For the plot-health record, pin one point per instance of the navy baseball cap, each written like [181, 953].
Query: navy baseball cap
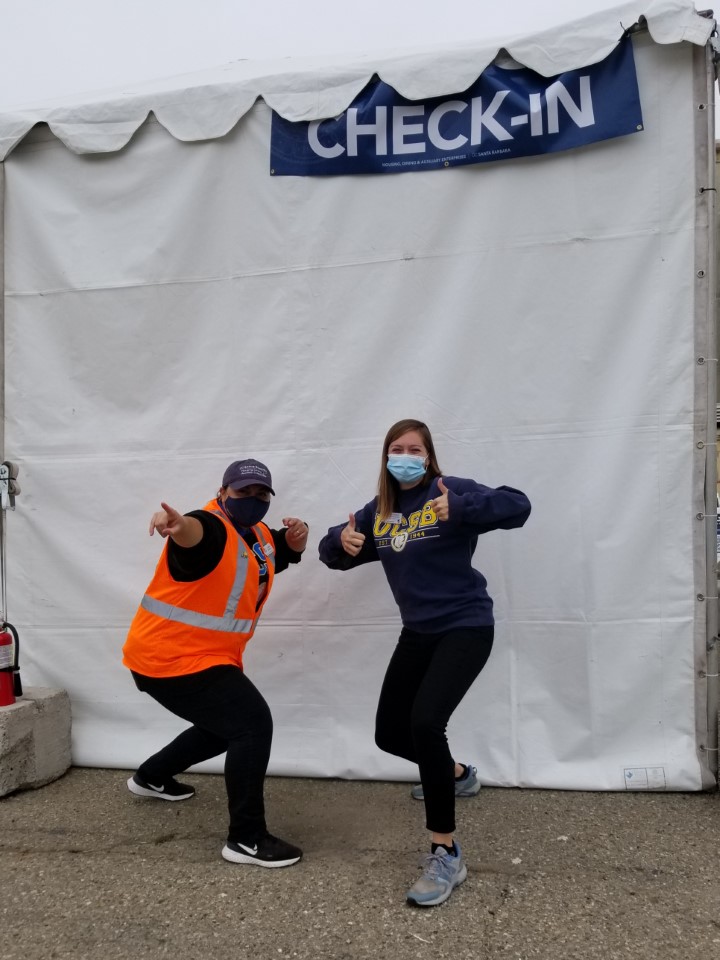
[244, 473]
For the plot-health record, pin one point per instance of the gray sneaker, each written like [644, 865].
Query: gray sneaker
[469, 786]
[441, 874]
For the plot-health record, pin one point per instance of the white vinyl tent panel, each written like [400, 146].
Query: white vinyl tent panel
[171, 307]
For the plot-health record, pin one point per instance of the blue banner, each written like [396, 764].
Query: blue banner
[506, 113]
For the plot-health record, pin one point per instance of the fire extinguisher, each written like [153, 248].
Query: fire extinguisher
[7, 668]
[17, 683]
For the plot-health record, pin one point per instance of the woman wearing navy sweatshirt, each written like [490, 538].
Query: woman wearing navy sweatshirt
[423, 527]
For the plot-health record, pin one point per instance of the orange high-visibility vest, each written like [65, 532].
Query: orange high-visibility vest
[181, 628]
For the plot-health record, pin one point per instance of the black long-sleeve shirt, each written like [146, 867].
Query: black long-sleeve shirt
[187, 564]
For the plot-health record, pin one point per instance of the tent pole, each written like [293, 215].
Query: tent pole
[705, 314]
[2, 340]
[2, 314]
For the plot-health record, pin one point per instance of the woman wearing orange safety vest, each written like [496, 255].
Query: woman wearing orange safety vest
[185, 647]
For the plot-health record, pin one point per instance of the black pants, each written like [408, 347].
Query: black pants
[427, 677]
[228, 714]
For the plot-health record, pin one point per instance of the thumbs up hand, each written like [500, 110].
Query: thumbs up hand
[441, 505]
[351, 539]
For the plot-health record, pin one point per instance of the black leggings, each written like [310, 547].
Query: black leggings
[427, 677]
[228, 714]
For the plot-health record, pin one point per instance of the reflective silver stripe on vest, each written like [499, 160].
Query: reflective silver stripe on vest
[239, 583]
[268, 554]
[225, 624]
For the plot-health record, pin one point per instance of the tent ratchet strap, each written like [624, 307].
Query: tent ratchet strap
[9, 489]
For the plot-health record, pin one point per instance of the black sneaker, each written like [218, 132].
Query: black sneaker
[267, 852]
[170, 790]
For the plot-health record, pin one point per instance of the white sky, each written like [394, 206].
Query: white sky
[50, 48]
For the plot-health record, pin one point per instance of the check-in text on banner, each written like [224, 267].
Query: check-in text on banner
[506, 113]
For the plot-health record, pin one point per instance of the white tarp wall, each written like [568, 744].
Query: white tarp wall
[171, 307]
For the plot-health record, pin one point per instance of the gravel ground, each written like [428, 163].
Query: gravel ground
[90, 871]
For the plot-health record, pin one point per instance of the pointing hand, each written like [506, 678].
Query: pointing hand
[167, 521]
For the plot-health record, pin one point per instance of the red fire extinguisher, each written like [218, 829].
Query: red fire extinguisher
[7, 669]
[17, 683]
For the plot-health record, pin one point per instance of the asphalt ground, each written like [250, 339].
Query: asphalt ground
[89, 871]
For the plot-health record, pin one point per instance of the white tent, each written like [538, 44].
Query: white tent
[171, 306]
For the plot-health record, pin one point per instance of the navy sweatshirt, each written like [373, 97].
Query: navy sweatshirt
[428, 562]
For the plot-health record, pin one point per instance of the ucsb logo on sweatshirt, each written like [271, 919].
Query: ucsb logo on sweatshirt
[397, 531]
[506, 113]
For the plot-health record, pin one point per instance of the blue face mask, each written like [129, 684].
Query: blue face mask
[406, 468]
[246, 511]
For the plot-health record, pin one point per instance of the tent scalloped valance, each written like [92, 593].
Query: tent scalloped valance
[207, 105]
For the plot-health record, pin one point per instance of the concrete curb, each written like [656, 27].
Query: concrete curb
[34, 739]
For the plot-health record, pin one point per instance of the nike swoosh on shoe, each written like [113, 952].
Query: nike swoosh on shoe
[251, 851]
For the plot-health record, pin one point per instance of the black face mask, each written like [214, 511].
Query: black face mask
[245, 511]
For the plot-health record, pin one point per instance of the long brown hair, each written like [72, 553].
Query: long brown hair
[388, 487]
